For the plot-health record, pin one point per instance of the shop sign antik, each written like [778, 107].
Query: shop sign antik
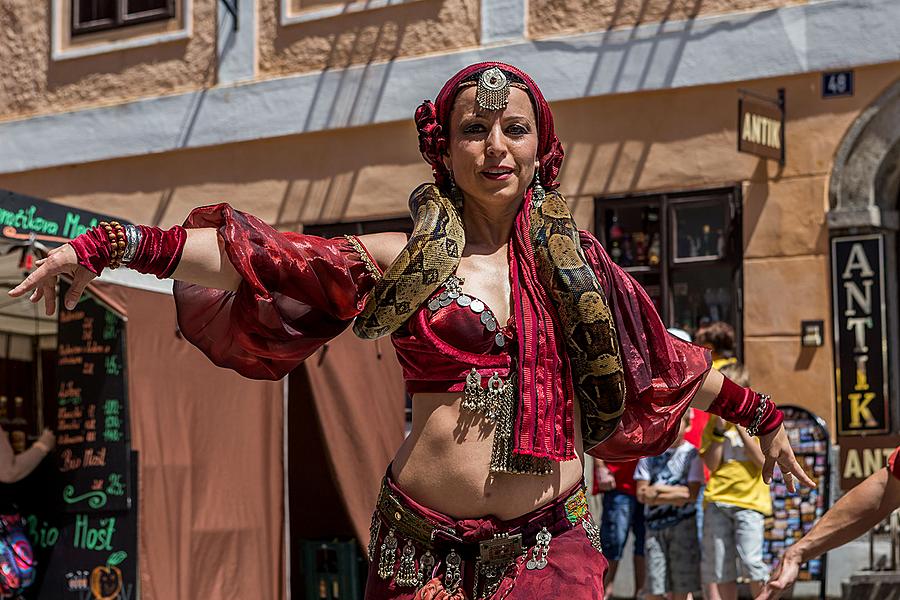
[862, 456]
[761, 125]
[860, 335]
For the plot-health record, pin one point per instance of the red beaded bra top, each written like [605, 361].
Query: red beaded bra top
[451, 334]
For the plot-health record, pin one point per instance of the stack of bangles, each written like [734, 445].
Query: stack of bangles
[742, 406]
[145, 249]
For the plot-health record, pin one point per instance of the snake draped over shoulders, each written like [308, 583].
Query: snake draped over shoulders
[432, 254]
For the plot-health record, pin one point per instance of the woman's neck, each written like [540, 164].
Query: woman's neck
[488, 227]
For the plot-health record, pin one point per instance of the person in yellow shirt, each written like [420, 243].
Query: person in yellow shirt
[735, 504]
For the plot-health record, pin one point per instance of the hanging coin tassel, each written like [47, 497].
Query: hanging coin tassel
[537, 191]
[374, 528]
[452, 575]
[406, 574]
[539, 553]
[388, 556]
[426, 567]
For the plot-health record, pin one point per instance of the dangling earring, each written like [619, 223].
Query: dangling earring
[456, 195]
[537, 191]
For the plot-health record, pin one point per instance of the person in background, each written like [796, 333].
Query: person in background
[718, 338]
[858, 511]
[621, 512]
[668, 485]
[736, 503]
[14, 467]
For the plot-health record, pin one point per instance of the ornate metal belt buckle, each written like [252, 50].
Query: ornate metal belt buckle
[503, 548]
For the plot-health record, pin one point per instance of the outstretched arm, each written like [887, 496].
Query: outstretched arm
[203, 262]
[856, 512]
[775, 446]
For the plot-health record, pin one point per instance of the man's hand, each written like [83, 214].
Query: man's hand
[783, 578]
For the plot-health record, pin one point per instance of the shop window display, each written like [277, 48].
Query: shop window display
[683, 248]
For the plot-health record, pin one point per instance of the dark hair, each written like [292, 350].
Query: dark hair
[718, 335]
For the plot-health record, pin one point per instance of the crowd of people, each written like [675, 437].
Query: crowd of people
[696, 512]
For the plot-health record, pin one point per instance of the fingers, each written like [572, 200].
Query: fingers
[29, 283]
[79, 282]
[780, 581]
[770, 592]
[789, 481]
[768, 468]
[48, 268]
[50, 297]
[789, 465]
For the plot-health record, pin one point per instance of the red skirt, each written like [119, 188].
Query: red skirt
[419, 554]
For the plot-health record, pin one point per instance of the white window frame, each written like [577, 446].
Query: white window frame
[65, 47]
[292, 17]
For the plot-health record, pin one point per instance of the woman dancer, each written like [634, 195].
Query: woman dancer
[520, 340]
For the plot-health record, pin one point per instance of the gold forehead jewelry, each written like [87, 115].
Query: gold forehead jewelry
[493, 90]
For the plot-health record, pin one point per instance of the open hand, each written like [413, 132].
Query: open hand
[777, 449]
[42, 281]
[783, 578]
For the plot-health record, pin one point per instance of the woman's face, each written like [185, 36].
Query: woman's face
[492, 154]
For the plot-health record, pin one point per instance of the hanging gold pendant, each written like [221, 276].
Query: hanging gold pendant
[492, 92]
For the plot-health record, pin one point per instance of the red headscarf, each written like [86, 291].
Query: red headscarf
[433, 119]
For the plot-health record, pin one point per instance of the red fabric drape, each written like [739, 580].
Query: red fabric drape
[359, 400]
[211, 479]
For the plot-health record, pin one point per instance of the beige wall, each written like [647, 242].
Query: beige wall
[403, 30]
[552, 17]
[32, 83]
[668, 140]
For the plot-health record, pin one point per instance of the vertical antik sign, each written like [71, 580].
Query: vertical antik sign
[860, 334]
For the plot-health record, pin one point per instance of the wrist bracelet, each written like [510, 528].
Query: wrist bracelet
[133, 237]
[753, 428]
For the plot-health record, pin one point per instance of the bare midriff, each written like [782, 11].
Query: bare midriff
[444, 465]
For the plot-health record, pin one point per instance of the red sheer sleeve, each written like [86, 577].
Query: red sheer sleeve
[298, 292]
[662, 372]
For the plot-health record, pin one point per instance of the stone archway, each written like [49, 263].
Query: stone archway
[865, 178]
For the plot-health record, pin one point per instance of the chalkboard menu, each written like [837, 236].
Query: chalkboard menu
[87, 555]
[793, 515]
[92, 425]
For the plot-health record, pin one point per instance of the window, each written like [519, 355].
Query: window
[683, 248]
[99, 15]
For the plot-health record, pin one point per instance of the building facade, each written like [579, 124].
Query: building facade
[299, 111]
